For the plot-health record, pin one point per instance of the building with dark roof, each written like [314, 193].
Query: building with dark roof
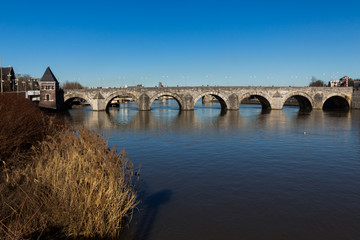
[50, 92]
[7, 78]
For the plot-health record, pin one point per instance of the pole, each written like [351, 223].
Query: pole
[1, 75]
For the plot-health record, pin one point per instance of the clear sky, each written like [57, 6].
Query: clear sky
[113, 43]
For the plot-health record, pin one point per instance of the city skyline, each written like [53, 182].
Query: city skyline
[235, 43]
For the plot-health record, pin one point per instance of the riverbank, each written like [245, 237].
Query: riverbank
[56, 180]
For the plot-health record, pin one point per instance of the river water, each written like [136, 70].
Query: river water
[247, 174]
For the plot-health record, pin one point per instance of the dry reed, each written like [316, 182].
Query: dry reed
[86, 187]
[53, 177]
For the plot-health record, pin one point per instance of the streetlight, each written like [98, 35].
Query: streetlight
[227, 77]
[165, 76]
[294, 78]
[208, 77]
[1, 79]
[9, 77]
[24, 82]
[17, 85]
[252, 76]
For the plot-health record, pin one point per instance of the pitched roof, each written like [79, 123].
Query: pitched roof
[48, 76]
[5, 71]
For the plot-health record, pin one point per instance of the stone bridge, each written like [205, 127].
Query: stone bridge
[229, 97]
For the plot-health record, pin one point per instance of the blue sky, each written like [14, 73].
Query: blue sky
[113, 43]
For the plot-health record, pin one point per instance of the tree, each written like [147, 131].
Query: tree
[26, 82]
[317, 83]
[72, 85]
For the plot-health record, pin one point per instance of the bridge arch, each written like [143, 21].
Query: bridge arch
[70, 97]
[304, 100]
[120, 94]
[336, 102]
[170, 94]
[262, 97]
[220, 97]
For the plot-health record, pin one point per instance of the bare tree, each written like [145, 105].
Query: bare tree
[72, 85]
[317, 83]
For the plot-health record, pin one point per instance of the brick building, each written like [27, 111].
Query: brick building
[7, 78]
[50, 92]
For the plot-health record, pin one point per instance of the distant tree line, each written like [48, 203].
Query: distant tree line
[72, 85]
[320, 83]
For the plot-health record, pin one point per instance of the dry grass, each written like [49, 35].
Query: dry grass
[59, 178]
[89, 188]
[16, 226]
[22, 125]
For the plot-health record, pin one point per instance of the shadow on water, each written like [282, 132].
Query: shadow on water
[149, 211]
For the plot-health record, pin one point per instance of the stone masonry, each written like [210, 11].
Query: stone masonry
[356, 100]
[229, 97]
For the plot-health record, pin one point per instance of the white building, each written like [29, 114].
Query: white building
[334, 83]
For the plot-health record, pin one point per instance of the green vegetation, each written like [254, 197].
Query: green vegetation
[59, 181]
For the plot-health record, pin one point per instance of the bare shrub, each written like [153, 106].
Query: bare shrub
[86, 187]
[22, 124]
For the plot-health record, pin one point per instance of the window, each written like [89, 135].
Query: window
[52, 87]
[47, 97]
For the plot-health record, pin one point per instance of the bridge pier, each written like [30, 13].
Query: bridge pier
[276, 104]
[98, 105]
[144, 102]
[187, 103]
[233, 102]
